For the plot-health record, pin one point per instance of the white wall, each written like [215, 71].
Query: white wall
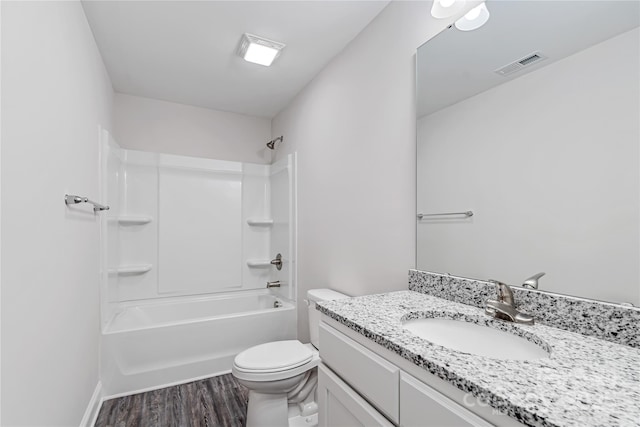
[0, 217]
[151, 125]
[56, 94]
[549, 162]
[353, 128]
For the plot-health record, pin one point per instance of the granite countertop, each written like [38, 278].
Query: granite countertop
[585, 381]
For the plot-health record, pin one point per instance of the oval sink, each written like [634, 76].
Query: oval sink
[475, 339]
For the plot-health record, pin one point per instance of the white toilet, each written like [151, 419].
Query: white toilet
[282, 377]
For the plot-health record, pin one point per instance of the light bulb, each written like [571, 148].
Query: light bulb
[442, 9]
[473, 13]
[474, 19]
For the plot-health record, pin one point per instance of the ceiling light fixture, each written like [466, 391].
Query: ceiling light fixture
[446, 8]
[259, 50]
[474, 19]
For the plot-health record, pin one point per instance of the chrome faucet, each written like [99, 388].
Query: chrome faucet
[504, 307]
[275, 284]
[532, 282]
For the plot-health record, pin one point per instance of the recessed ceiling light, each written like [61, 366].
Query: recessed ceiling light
[474, 19]
[259, 50]
[446, 8]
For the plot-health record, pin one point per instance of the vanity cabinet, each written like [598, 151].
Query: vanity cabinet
[340, 405]
[421, 405]
[372, 376]
[357, 386]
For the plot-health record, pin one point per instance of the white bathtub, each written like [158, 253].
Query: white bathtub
[149, 345]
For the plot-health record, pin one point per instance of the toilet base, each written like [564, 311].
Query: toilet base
[282, 398]
[268, 410]
[300, 421]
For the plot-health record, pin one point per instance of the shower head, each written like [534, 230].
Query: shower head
[272, 144]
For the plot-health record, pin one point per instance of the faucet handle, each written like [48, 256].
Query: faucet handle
[504, 307]
[532, 282]
[504, 292]
[504, 311]
[277, 261]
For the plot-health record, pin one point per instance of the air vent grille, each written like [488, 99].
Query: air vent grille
[520, 64]
[528, 60]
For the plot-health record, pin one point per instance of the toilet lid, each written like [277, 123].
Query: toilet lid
[274, 356]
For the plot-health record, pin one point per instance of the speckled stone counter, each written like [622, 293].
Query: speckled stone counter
[584, 382]
[607, 321]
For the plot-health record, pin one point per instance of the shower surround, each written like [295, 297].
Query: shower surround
[185, 258]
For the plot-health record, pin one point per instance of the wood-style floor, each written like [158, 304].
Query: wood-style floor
[214, 402]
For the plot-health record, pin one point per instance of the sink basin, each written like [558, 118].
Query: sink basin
[475, 339]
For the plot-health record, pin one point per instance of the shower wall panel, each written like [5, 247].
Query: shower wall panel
[283, 214]
[255, 239]
[200, 230]
[138, 241]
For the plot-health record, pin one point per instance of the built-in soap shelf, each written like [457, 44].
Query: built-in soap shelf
[131, 270]
[260, 222]
[258, 263]
[131, 219]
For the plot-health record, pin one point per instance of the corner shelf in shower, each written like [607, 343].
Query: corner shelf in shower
[131, 270]
[132, 219]
[260, 222]
[258, 263]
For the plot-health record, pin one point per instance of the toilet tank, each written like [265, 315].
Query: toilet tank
[317, 295]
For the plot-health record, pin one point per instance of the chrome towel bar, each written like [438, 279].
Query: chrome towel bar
[70, 199]
[465, 214]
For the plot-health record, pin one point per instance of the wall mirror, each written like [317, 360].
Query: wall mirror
[532, 122]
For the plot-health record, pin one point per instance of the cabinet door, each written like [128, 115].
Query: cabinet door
[370, 375]
[340, 406]
[422, 406]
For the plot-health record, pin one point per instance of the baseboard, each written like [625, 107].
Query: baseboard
[91, 414]
[165, 385]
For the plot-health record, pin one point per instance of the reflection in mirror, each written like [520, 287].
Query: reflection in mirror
[532, 122]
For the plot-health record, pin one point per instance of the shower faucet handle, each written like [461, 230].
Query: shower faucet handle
[277, 261]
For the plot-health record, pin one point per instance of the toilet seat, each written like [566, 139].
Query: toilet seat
[275, 361]
[273, 356]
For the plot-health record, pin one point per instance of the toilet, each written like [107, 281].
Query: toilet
[282, 376]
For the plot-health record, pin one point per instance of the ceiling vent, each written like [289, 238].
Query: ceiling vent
[520, 64]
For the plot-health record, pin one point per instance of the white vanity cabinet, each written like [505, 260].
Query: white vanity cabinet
[362, 383]
[339, 405]
[421, 405]
[372, 376]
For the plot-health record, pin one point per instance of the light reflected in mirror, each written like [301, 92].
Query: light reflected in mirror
[532, 122]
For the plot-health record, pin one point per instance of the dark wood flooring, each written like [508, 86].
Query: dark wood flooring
[214, 402]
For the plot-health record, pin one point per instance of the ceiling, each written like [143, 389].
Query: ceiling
[185, 51]
[456, 65]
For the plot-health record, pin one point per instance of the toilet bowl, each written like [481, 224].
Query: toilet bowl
[282, 377]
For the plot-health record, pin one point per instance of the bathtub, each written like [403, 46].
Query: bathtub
[153, 344]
